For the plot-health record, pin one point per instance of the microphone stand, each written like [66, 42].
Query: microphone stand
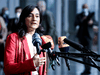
[54, 57]
[66, 55]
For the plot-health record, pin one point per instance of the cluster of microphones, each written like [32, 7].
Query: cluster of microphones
[47, 45]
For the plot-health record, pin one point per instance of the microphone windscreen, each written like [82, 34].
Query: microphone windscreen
[63, 46]
[36, 39]
[36, 35]
[47, 39]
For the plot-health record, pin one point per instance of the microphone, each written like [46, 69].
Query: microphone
[80, 48]
[48, 47]
[64, 48]
[51, 54]
[46, 39]
[36, 40]
[75, 45]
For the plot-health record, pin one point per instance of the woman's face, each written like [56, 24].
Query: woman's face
[33, 20]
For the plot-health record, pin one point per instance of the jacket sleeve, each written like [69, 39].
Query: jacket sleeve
[10, 67]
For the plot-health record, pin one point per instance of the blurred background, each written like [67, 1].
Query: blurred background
[64, 12]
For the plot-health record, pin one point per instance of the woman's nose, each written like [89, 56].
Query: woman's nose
[33, 18]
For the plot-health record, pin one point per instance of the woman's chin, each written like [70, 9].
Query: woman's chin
[35, 26]
[32, 29]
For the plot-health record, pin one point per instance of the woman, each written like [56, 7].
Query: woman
[20, 55]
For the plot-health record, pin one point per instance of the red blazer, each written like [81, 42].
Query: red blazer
[17, 58]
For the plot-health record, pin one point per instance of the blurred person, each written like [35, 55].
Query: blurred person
[20, 56]
[5, 15]
[3, 35]
[12, 25]
[85, 34]
[48, 25]
[48, 22]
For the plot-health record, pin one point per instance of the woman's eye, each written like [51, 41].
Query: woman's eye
[37, 16]
[30, 15]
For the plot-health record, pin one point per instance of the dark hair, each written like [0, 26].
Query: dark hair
[22, 28]
[17, 8]
[84, 6]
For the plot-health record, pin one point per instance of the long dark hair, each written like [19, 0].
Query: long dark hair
[22, 28]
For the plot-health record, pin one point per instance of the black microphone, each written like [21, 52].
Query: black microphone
[75, 45]
[51, 54]
[48, 47]
[36, 40]
[80, 48]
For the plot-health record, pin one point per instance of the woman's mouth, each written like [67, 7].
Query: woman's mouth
[33, 23]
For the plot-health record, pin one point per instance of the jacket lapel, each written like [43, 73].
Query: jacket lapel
[26, 48]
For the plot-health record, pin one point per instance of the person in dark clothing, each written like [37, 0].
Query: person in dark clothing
[12, 25]
[5, 15]
[48, 22]
[85, 34]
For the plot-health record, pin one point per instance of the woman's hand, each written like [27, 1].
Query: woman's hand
[38, 61]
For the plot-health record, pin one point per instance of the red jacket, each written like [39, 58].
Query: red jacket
[17, 58]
